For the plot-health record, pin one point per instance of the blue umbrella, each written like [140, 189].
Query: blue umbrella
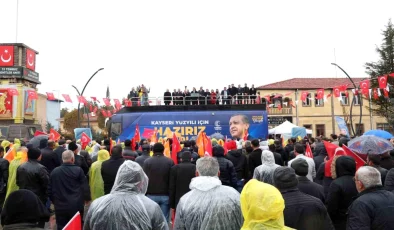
[370, 144]
[379, 133]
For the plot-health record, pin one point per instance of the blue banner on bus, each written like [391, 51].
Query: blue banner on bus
[230, 124]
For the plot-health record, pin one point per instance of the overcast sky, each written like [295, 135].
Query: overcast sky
[170, 44]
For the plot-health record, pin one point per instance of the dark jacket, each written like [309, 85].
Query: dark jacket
[167, 96]
[373, 209]
[33, 176]
[283, 153]
[389, 181]
[240, 163]
[342, 190]
[4, 164]
[321, 153]
[67, 188]
[180, 177]
[81, 162]
[311, 188]
[49, 159]
[158, 168]
[195, 155]
[254, 160]
[304, 212]
[386, 162]
[278, 159]
[109, 169]
[141, 159]
[58, 151]
[322, 179]
[132, 155]
[87, 157]
[287, 150]
[227, 171]
[383, 173]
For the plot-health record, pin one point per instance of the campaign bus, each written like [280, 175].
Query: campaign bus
[233, 122]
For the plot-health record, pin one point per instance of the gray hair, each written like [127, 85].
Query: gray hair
[369, 176]
[67, 156]
[207, 166]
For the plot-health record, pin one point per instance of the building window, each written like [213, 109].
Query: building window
[307, 102]
[385, 127]
[318, 102]
[359, 129]
[320, 130]
[357, 99]
[345, 99]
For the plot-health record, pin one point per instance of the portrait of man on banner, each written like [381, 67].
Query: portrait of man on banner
[30, 104]
[5, 104]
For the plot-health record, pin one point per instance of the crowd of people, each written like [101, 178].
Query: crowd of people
[250, 184]
[139, 95]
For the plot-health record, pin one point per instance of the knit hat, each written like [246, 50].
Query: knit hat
[285, 178]
[33, 153]
[72, 146]
[158, 148]
[300, 167]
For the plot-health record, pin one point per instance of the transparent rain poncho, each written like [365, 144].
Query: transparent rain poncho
[126, 207]
[262, 207]
[265, 171]
[96, 182]
[209, 205]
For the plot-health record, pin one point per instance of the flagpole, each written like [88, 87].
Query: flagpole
[17, 20]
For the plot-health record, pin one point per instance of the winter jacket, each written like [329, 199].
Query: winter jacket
[373, 209]
[321, 153]
[158, 168]
[311, 188]
[195, 155]
[389, 181]
[386, 162]
[287, 150]
[109, 169]
[180, 177]
[132, 155]
[227, 171]
[49, 159]
[322, 179]
[240, 163]
[282, 152]
[59, 151]
[254, 160]
[4, 164]
[278, 159]
[142, 158]
[304, 212]
[33, 176]
[311, 166]
[342, 190]
[383, 173]
[81, 162]
[67, 189]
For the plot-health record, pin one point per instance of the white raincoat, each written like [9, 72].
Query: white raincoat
[126, 207]
[209, 205]
[265, 171]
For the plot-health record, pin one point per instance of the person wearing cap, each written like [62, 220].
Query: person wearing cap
[158, 168]
[78, 159]
[306, 186]
[109, 168]
[145, 155]
[302, 211]
[180, 178]
[299, 151]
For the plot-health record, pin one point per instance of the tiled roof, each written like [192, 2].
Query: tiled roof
[311, 83]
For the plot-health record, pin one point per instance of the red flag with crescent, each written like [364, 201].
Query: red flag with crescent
[50, 96]
[104, 112]
[30, 59]
[337, 91]
[382, 82]
[32, 94]
[320, 94]
[67, 98]
[106, 102]
[364, 84]
[82, 99]
[6, 55]
[53, 135]
[13, 92]
[304, 96]
[375, 94]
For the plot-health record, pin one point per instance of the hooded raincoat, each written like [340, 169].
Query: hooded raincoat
[262, 207]
[19, 159]
[96, 182]
[265, 171]
[126, 207]
[209, 205]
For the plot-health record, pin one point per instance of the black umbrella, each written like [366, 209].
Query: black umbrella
[35, 141]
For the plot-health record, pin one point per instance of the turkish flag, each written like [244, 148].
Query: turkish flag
[75, 223]
[94, 98]
[375, 94]
[30, 59]
[109, 114]
[268, 98]
[50, 96]
[320, 94]
[32, 94]
[106, 101]
[85, 139]
[137, 135]
[104, 112]
[386, 93]
[67, 98]
[91, 108]
[176, 147]
[382, 82]
[364, 84]
[95, 109]
[6, 56]
[118, 105]
[13, 92]
[53, 135]
[359, 161]
[308, 151]
[148, 132]
[82, 99]
[38, 133]
[304, 96]
[127, 102]
[133, 144]
[337, 91]
[343, 88]
[391, 75]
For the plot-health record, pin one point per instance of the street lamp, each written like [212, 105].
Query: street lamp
[351, 106]
[81, 94]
